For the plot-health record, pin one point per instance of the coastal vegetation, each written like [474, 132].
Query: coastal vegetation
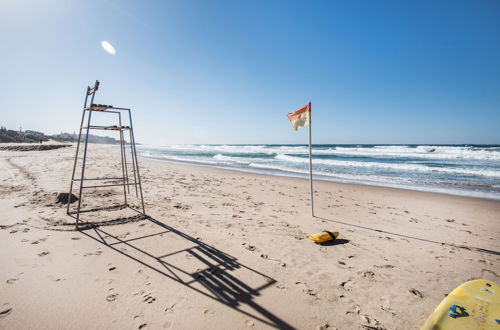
[30, 136]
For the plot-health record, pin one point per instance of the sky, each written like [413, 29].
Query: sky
[211, 71]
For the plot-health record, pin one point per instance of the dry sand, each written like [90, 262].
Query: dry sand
[229, 250]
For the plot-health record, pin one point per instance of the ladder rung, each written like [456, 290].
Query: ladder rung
[121, 178]
[99, 107]
[103, 108]
[108, 128]
[112, 185]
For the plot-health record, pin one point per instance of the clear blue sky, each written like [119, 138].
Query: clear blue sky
[229, 71]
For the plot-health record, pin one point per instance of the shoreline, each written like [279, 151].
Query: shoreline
[316, 177]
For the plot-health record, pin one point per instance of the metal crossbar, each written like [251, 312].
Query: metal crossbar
[109, 128]
[88, 108]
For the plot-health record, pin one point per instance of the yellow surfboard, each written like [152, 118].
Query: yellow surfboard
[473, 305]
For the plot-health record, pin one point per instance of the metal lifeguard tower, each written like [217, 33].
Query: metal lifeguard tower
[123, 178]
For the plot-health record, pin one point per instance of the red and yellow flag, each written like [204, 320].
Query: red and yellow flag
[301, 117]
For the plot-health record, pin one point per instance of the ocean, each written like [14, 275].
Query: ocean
[469, 170]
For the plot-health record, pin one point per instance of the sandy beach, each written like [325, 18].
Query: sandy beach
[223, 249]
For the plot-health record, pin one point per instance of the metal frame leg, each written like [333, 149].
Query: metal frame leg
[133, 163]
[77, 149]
[83, 163]
[136, 162]
[125, 159]
[122, 152]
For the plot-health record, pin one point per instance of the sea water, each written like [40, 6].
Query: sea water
[470, 170]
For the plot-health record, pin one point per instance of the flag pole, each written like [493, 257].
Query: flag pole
[310, 162]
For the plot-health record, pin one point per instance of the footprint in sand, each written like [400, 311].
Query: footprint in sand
[140, 320]
[97, 253]
[112, 297]
[354, 308]
[387, 310]
[207, 311]
[370, 323]
[170, 309]
[347, 285]
[311, 293]
[148, 298]
[250, 247]
[489, 271]
[384, 266]
[368, 274]
[299, 236]
[5, 310]
[281, 287]
[416, 292]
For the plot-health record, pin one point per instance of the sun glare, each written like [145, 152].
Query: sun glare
[108, 47]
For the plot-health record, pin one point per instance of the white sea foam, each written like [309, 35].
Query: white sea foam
[229, 160]
[392, 166]
[286, 154]
[181, 159]
[427, 152]
[345, 176]
[422, 152]
[243, 149]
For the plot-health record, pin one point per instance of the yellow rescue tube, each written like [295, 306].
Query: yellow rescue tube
[324, 236]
